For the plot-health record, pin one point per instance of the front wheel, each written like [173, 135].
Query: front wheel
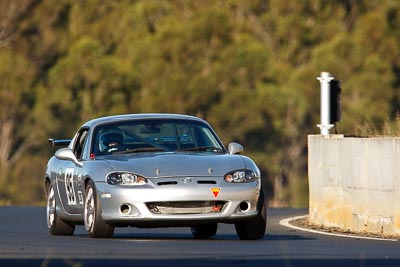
[255, 228]
[204, 231]
[55, 224]
[94, 224]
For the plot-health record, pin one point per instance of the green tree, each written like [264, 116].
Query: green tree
[84, 84]
[16, 75]
[248, 67]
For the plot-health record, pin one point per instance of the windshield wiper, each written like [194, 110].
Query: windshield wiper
[142, 149]
[202, 148]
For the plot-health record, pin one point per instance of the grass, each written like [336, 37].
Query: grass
[389, 128]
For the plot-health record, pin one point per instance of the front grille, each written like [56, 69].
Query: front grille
[167, 183]
[206, 182]
[186, 207]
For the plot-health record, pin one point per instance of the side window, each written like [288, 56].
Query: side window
[80, 143]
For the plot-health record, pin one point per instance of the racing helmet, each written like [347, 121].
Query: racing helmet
[110, 140]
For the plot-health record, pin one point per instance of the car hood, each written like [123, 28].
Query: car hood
[158, 165]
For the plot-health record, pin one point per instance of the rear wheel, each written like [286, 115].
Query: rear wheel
[203, 231]
[55, 224]
[94, 224]
[255, 228]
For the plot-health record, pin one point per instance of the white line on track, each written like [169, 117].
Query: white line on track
[286, 223]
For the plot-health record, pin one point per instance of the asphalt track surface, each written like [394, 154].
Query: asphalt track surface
[25, 241]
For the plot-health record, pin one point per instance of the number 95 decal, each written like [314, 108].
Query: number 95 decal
[69, 186]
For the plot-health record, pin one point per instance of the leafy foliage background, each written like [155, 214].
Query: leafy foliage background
[248, 67]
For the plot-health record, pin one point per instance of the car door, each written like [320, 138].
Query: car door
[69, 180]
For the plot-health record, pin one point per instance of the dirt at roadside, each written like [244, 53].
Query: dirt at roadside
[304, 223]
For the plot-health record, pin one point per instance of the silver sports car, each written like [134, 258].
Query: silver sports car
[152, 170]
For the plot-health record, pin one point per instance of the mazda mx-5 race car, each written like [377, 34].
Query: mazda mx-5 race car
[152, 170]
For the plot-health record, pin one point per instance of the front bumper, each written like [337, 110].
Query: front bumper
[173, 202]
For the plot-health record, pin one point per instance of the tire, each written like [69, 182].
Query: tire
[55, 224]
[255, 228]
[204, 231]
[94, 224]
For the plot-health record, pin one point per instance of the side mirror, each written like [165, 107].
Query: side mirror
[67, 154]
[235, 148]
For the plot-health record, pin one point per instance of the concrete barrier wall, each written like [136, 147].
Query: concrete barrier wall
[355, 183]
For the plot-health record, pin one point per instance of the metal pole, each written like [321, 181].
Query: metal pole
[325, 80]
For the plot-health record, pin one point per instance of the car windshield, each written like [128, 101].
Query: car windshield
[154, 135]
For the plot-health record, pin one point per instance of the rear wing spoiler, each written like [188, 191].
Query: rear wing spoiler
[58, 143]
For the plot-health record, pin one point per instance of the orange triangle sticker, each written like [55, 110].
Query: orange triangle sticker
[215, 191]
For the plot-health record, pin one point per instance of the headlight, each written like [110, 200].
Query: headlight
[240, 176]
[125, 178]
